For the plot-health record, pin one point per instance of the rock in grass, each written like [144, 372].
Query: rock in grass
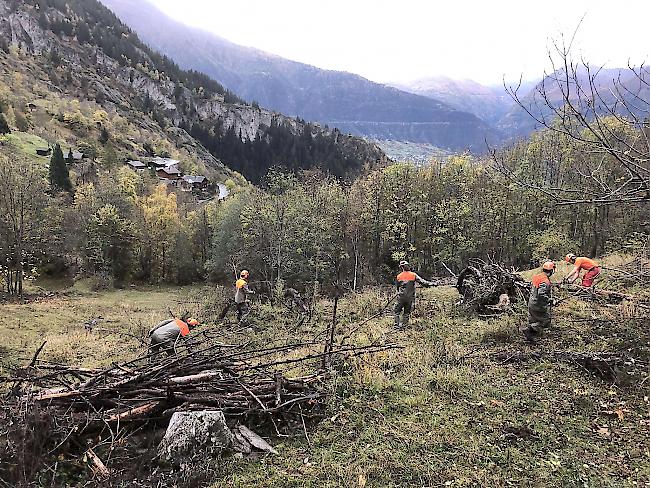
[190, 433]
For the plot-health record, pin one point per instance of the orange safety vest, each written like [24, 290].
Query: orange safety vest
[540, 278]
[406, 276]
[185, 329]
[585, 263]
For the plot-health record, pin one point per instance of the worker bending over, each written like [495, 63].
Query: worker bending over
[165, 335]
[405, 282]
[539, 302]
[582, 263]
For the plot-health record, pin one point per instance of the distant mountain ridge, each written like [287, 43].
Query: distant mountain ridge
[347, 101]
[497, 107]
[489, 103]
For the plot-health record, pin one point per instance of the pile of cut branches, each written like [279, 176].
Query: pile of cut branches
[482, 286]
[84, 411]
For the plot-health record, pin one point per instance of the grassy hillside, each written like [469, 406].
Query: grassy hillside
[50, 115]
[452, 408]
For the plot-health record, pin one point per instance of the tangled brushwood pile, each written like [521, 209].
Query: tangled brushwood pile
[57, 415]
[489, 288]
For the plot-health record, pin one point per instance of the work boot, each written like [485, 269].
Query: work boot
[529, 335]
[405, 321]
[398, 321]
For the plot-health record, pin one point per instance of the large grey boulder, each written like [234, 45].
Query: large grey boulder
[190, 433]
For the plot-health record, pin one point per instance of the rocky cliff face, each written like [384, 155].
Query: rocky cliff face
[129, 84]
[343, 100]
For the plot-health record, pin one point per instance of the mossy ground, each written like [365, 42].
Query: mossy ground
[439, 412]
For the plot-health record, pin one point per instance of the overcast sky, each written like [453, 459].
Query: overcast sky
[408, 39]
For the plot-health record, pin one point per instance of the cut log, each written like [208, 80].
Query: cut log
[197, 378]
[134, 413]
[96, 464]
[255, 440]
[54, 394]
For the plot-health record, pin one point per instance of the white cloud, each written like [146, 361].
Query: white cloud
[403, 40]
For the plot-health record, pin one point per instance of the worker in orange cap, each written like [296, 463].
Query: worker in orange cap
[539, 302]
[241, 294]
[166, 334]
[579, 263]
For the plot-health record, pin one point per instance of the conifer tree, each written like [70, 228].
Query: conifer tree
[4, 126]
[104, 136]
[59, 175]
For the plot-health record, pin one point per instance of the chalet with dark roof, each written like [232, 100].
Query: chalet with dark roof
[169, 173]
[136, 165]
[199, 182]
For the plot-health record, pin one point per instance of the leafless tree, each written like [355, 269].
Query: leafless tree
[599, 121]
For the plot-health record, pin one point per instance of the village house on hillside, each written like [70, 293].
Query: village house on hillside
[138, 166]
[189, 183]
[158, 163]
[169, 173]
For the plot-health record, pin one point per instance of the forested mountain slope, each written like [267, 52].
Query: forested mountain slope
[81, 50]
[347, 101]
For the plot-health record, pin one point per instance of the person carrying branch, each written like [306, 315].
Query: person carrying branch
[582, 263]
[405, 282]
[539, 302]
[165, 334]
[241, 294]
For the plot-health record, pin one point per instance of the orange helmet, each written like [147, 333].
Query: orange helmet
[569, 257]
[243, 274]
[548, 266]
[193, 322]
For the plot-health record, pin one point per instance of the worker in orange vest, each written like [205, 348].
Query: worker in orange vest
[166, 334]
[582, 263]
[539, 302]
[405, 282]
[241, 294]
